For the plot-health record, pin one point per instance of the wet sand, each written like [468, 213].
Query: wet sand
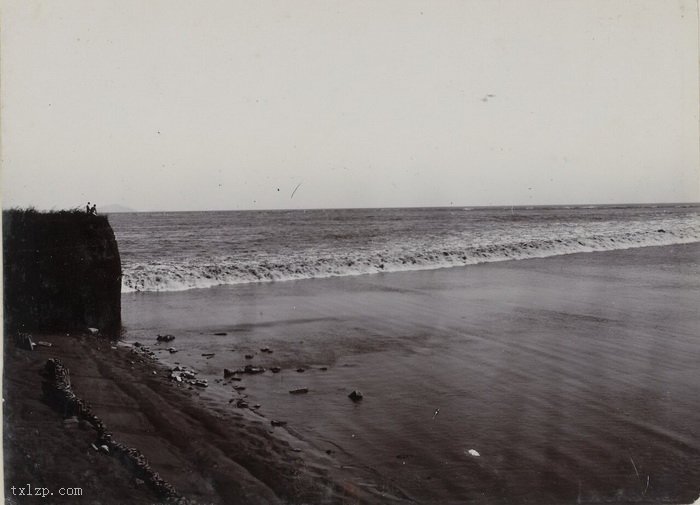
[573, 377]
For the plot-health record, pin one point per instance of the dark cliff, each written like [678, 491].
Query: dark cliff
[61, 272]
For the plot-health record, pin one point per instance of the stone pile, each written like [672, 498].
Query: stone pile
[59, 394]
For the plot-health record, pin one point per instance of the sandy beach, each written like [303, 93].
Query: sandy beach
[573, 378]
[209, 455]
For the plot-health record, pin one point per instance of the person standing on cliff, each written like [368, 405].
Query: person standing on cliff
[88, 209]
[93, 210]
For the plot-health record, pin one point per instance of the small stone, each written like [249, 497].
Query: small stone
[165, 338]
[104, 449]
[248, 356]
[208, 354]
[220, 333]
[275, 422]
[93, 331]
[172, 350]
[139, 482]
[44, 344]
[323, 368]
[356, 396]
[300, 370]
[253, 369]
[275, 369]
[299, 391]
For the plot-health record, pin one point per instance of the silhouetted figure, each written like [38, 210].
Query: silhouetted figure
[87, 208]
[93, 210]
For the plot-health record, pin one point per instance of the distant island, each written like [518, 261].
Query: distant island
[113, 208]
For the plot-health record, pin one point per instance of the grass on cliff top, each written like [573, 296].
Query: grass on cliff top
[74, 216]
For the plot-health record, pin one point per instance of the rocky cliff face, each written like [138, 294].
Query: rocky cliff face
[61, 272]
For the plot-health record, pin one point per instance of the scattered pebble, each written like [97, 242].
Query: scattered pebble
[356, 396]
[472, 452]
[299, 391]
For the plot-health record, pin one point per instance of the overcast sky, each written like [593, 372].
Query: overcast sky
[181, 105]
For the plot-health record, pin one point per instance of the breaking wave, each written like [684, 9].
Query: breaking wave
[193, 273]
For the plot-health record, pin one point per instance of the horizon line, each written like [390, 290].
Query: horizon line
[458, 206]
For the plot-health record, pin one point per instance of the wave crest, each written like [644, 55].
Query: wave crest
[192, 273]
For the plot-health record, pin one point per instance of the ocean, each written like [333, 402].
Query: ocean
[169, 251]
[499, 365]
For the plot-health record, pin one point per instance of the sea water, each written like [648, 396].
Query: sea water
[171, 251]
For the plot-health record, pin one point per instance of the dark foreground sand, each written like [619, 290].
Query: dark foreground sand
[575, 377]
[208, 455]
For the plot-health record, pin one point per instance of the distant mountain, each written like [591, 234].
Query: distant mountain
[111, 209]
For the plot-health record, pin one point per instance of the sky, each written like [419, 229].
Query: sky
[214, 105]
